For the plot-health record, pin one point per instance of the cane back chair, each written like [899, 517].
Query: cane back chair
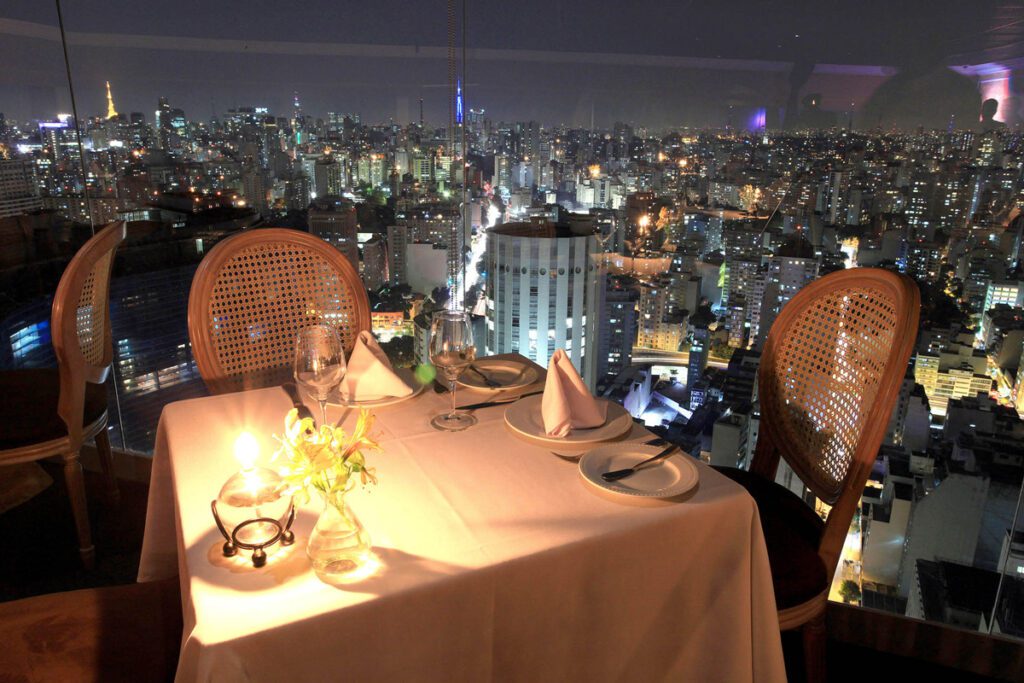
[251, 295]
[830, 374]
[54, 411]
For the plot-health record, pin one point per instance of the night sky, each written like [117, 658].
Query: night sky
[558, 61]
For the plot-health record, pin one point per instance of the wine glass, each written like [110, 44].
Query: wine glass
[319, 363]
[451, 352]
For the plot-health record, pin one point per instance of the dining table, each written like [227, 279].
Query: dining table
[493, 560]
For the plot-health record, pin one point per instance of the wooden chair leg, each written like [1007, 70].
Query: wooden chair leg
[107, 462]
[75, 483]
[814, 649]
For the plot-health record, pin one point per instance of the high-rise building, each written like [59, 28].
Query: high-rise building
[1007, 292]
[254, 189]
[328, 178]
[333, 220]
[792, 267]
[423, 167]
[58, 139]
[641, 215]
[700, 341]
[617, 328]
[398, 238]
[375, 263]
[502, 171]
[543, 292]
[296, 191]
[171, 127]
[19, 193]
[740, 276]
[729, 437]
[955, 370]
[924, 260]
[660, 327]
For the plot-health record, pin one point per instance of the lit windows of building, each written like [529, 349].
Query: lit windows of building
[19, 192]
[544, 287]
[955, 372]
[617, 327]
[333, 220]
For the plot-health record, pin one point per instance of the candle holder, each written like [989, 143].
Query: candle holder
[252, 511]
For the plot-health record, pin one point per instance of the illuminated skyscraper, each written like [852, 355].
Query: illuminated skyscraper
[328, 177]
[544, 286]
[171, 127]
[794, 266]
[617, 327]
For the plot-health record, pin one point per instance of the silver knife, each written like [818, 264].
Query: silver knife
[488, 404]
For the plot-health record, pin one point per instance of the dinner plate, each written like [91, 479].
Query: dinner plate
[666, 478]
[524, 418]
[509, 374]
[340, 396]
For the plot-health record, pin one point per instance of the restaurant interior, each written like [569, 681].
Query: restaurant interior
[297, 502]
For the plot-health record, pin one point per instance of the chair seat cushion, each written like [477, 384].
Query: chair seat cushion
[118, 633]
[792, 531]
[30, 407]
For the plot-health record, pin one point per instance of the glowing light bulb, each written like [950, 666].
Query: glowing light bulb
[247, 449]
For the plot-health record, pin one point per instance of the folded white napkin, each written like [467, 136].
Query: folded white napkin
[370, 373]
[567, 403]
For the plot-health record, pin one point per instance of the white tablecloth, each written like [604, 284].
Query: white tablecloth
[497, 564]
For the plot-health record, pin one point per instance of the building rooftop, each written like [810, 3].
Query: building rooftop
[950, 585]
[796, 247]
[545, 229]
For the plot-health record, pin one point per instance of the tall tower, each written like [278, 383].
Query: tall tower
[111, 112]
[297, 120]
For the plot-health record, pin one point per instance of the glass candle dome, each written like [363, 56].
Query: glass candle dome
[252, 509]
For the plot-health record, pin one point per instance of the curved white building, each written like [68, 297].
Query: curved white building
[544, 284]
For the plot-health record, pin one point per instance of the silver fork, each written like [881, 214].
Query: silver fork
[487, 380]
[616, 475]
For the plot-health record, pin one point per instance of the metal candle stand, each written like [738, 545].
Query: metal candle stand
[284, 534]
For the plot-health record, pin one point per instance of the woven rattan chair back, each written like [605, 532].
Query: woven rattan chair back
[830, 374]
[251, 295]
[80, 324]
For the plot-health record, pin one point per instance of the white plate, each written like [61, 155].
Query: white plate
[667, 478]
[524, 418]
[508, 373]
[340, 397]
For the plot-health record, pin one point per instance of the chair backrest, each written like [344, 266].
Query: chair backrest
[80, 324]
[254, 291]
[830, 374]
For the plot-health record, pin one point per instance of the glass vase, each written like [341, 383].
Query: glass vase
[338, 546]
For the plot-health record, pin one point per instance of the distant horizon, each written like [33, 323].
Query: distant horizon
[838, 127]
[563, 86]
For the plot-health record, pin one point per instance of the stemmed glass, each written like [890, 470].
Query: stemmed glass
[451, 352]
[319, 363]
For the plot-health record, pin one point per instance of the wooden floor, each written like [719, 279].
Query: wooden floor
[41, 557]
[41, 550]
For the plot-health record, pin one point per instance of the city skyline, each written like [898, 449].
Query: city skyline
[752, 121]
[565, 69]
